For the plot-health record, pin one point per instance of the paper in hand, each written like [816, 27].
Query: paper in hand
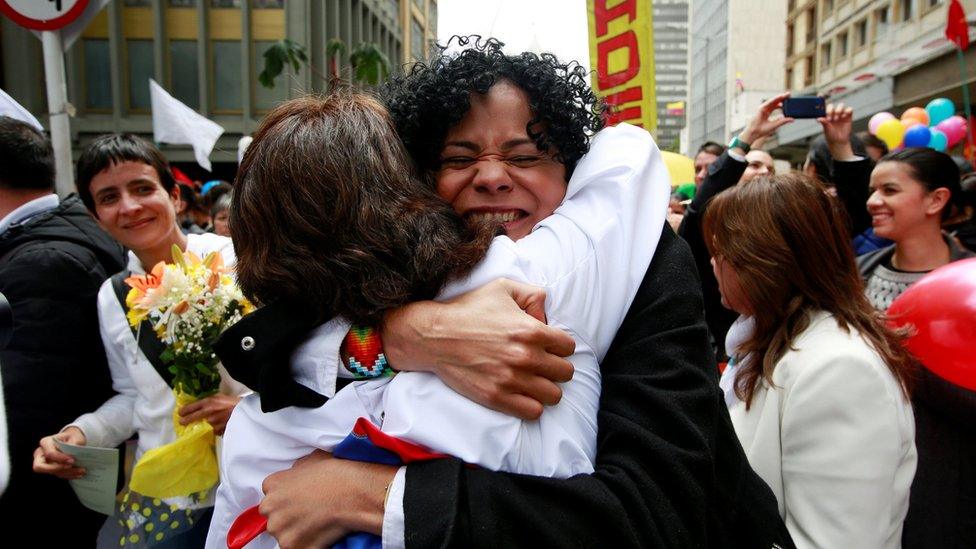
[95, 490]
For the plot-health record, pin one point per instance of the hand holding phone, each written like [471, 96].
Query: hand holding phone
[804, 107]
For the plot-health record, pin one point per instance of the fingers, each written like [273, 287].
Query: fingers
[555, 369]
[56, 463]
[192, 407]
[194, 416]
[836, 112]
[543, 391]
[781, 122]
[530, 299]
[520, 406]
[772, 104]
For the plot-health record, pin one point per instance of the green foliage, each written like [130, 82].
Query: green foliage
[369, 64]
[281, 53]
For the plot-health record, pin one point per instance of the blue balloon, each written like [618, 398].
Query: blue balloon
[939, 109]
[939, 141]
[917, 136]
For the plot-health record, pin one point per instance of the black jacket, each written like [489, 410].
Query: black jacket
[942, 501]
[723, 174]
[670, 471]
[54, 368]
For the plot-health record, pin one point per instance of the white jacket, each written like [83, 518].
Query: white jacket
[834, 438]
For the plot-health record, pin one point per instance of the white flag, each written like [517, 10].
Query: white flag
[13, 109]
[175, 123]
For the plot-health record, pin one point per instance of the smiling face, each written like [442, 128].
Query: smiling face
[492, 171]
[132, 206]
[758, 163]
[899, 205]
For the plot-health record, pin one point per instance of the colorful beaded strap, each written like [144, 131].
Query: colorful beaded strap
[362, 351]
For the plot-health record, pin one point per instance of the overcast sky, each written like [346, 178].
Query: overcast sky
[557, 26]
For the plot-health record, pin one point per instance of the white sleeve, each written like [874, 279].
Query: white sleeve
[842, 446]
[112, 424]
[394, 536]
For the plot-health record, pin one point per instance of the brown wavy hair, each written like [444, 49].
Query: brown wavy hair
[788, 242]
[328, 211]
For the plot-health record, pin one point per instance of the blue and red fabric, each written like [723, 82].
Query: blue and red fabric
[366, 443]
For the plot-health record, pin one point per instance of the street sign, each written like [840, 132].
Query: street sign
[43, 14]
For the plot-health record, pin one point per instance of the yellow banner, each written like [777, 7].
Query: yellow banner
[622, 56]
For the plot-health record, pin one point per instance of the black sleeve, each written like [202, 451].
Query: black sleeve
[852, 180]
[722, 175]
[669, 470]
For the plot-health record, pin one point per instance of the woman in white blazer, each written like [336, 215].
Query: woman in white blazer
[817, 386]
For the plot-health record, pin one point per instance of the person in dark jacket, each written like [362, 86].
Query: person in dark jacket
[907, 197]
[669, 468]
[53, 259]
[736, 164]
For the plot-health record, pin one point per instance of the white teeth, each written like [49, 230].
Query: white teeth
[494, 217]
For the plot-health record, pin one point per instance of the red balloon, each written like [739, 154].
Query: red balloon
[942, 308]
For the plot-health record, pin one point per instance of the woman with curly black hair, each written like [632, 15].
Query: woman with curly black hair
[500, 137]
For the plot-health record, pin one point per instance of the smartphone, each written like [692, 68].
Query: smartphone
[804, 107]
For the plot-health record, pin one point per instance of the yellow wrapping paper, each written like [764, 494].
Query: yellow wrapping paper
[183, 467]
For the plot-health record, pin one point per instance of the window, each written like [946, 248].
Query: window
[225, 3]
[268, 4]
[789, 79]
[789, 40]
[139, 55]
[227, 75]
[416, 40]
[828, 6]
[811, 25]
[98, 74]
[842, 43]
[907, 9]
[808, 76]
[182, 3]
[882, 18]
[825, 56]
[861, 33]
[137, 3]
[184, 82]
[265, 99]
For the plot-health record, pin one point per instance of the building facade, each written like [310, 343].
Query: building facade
[874, 55]
[734, 65]
[207, 54]
[670, 20]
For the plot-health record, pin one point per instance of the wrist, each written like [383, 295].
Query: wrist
[742, 142]
[402, 329]
[369, 506]
[841, 151]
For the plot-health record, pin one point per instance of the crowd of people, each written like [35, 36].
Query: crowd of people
[730, 383]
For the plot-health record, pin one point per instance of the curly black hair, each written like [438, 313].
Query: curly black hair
[434, 95]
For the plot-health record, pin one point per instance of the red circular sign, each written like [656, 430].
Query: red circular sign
[43, 14]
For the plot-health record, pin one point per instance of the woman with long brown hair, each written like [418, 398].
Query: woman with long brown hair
[818, 386]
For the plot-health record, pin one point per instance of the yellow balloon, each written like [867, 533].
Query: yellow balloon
[891, 132]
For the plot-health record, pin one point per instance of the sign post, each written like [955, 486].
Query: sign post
[49, 16]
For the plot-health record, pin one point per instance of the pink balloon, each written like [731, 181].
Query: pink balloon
[955, 129]
[877, 120]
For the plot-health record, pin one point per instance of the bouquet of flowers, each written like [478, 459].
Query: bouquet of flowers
[188, 303]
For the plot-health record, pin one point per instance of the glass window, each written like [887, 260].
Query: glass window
[882, 19]
[825, 56]
[98, 74]
[225, 3]
[139, 54]
[227, 75]
[184, 79]
[182, 3]
[862, 33]
[842, 45]
[419, 4]
[137, 3]
[811, 25]
[416, 39]
[432, 13]
[907, 9]
[268, 4]
[265, 99]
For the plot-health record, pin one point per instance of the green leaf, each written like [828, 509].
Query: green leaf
[369, 63]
